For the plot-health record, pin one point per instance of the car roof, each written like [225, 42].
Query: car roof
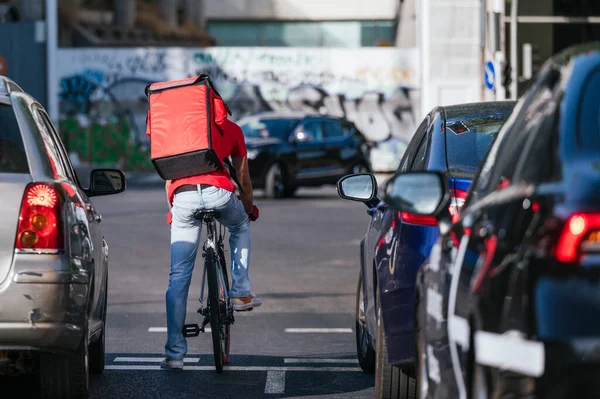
[474, 110]
[289, 115]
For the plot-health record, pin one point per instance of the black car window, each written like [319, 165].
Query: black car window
[314, 127]
[51, 148]
[64, 155]
[588, 126]
[540, 159]
[349, 129]
[255, 127]
[333, 130]
[411, 151]
[13, 158]
[420, 159]
[499, 167]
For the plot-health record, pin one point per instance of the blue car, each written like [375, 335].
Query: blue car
[452, 140]
[508, 304]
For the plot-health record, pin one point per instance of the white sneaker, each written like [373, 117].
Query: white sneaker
[171, 364]
[245, 303]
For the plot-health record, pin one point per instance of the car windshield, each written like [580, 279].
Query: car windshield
[12, 152]
[468, 141]
[280, 128]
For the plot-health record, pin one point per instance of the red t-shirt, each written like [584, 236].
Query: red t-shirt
[233, 145]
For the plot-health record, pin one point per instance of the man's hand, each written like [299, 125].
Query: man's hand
[254, 215]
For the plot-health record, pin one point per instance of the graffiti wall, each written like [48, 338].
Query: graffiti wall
[103, 107]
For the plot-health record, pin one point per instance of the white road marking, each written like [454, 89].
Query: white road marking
[164, 329]
[318, 330]
[236, 368]
[275, 382]
[151, 359]
[508, 352]
[340, 361]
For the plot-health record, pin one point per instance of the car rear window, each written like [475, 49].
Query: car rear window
[12, 151]
[589, 117]
[468, 141]
[279, 128]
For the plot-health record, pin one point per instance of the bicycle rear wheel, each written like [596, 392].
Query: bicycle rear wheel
[224, 290]
[216, 306]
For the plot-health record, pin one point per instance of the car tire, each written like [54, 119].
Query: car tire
[364, 342]
[391, 382]
[97, 348]
[66, 376]
[275, 182]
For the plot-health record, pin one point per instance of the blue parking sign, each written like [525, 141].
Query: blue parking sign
[489, 75]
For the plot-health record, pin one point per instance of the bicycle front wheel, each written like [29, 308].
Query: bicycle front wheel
[216, 305]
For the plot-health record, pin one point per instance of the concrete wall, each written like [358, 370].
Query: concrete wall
[301, 9]
[449, 41]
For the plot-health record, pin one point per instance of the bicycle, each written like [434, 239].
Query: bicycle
[218, 311]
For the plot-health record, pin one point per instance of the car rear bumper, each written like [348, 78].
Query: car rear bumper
[42, 305]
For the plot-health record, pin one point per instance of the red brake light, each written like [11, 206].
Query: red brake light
[418, 219]
[576, 228]
[39, 219]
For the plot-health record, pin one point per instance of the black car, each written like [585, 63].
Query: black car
[286, 151]
[453, 139]
[509, 301]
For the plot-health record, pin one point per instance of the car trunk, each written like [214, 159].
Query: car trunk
[12, 187]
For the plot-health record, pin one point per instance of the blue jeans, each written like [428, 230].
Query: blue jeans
[185, 239]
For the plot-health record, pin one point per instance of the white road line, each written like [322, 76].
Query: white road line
[318, 330]
[164, 329]
[151, 359]
[236, 368]
[275, 382]
[340, 361]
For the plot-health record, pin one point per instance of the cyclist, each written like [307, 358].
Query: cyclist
[213, 190]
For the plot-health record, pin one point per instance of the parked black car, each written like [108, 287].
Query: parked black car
[453, 139]
[286, 151]
[509, 301]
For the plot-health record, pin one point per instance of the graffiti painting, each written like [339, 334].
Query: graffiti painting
[103, 106]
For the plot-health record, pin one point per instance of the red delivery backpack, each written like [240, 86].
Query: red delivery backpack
[186, 123]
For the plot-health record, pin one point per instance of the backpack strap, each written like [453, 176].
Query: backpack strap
[233, 174]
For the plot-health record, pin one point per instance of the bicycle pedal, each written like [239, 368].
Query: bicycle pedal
[191, 330]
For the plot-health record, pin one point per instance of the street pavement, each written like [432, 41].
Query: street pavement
[299, 343]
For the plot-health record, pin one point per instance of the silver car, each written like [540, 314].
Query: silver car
[53, 257]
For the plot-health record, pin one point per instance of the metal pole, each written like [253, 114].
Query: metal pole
[51, 59]
[514, 7]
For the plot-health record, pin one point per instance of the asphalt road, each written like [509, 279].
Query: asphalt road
[304, 267]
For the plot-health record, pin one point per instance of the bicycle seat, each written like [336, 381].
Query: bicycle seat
[201, 214]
